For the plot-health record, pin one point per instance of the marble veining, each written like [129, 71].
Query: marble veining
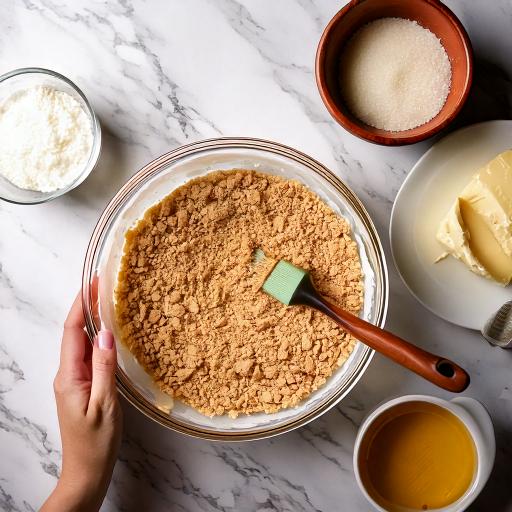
[159, 74]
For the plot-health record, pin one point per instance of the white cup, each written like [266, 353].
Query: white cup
[478, 422]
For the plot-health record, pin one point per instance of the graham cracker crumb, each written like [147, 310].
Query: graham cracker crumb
[188, 303]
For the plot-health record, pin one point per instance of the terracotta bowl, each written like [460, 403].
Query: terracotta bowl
[431, 14]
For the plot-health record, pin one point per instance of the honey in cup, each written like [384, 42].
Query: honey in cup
[417, 455]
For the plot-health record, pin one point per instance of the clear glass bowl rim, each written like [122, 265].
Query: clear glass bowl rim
[96, 132]
[152, 169]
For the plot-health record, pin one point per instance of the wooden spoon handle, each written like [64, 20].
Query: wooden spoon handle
[440, 371]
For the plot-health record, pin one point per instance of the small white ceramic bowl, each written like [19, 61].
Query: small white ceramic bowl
[25, 78]
[478, 422]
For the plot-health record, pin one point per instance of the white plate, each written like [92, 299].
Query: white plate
[447, 288]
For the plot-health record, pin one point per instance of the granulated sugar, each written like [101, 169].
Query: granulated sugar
[395, 75]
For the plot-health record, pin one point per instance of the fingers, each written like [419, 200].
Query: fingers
[94, 295]
[104, 362]
[95, 284]
[75, 316]
[73, 348]
[86, 374]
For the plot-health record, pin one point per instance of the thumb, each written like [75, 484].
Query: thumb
[103, 387]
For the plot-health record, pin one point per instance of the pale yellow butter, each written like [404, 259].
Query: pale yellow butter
[490, 195]
[478, 228]
[452, 234]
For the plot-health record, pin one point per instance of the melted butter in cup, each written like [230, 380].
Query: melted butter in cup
[424, 453]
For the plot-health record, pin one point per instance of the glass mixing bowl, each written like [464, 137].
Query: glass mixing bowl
[161, 177]
[26, 78]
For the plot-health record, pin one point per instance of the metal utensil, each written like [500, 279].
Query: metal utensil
[498, 329]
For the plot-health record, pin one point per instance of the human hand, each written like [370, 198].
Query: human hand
[90, 418]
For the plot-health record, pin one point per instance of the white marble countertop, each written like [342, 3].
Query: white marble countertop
[160, 74]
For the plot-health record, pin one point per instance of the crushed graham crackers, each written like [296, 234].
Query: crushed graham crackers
[187, 299]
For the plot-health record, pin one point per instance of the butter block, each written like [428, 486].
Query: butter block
[477, 230]
[484, 246]
[490, 195]
[453, 235]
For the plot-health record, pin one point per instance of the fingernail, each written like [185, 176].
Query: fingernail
[105, 340]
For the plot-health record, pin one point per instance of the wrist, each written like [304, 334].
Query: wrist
[78, 496]
[63, 499]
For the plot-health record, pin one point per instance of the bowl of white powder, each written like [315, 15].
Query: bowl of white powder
[394, 72]
[50, 137]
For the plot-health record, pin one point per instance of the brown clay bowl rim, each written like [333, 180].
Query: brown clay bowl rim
[358, 128]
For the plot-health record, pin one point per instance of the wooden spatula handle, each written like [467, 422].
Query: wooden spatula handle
[440, 371]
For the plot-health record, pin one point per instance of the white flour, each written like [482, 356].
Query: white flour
[45, 139]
